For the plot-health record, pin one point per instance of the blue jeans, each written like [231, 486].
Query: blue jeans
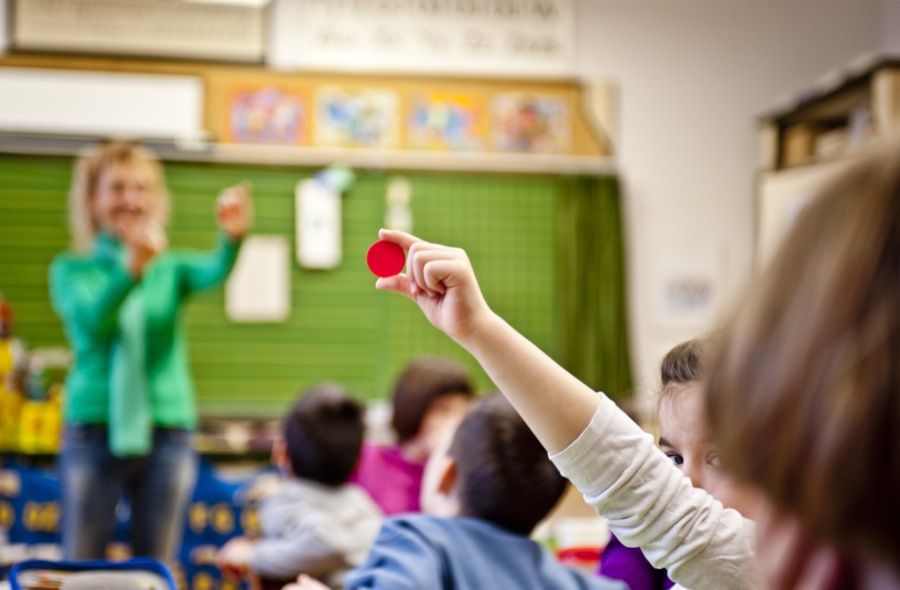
[159, 487]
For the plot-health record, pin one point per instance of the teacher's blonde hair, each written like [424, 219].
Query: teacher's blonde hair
[88, 169]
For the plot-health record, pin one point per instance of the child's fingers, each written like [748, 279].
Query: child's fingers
[436, 272]
[414, 268]
[397, 283]
[401, 238]
[419, 258]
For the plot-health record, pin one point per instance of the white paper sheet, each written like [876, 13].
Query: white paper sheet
[259, 288]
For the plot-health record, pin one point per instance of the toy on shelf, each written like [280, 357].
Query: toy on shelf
[40, 419]
[12, 370]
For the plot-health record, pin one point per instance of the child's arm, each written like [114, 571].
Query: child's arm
[302, 551]
[556, 405]
[610, 459]
[649, 504]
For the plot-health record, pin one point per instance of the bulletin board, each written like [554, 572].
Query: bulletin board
[340, 327]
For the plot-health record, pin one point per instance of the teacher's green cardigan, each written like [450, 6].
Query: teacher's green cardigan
[90, 293]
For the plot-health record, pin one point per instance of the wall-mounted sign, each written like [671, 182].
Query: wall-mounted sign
[468, 37]
[687, 283]
[160, 28]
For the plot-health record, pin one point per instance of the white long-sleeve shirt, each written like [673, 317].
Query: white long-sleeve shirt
[650, 504]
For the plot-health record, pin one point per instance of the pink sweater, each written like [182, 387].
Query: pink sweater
[392, 481]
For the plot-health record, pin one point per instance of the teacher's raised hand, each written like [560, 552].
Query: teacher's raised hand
[234, 211]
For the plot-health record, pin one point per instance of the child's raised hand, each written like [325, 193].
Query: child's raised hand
[442, 282]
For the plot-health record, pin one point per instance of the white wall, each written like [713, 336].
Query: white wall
[4, 11]
[692, 76]
[889, 18]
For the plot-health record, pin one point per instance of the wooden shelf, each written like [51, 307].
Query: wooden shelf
[320, 157]
[842, 114]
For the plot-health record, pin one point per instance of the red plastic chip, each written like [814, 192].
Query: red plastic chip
[385, 259]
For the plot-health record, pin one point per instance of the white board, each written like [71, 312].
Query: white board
[100, 103]
[471, 37]
[163, 28]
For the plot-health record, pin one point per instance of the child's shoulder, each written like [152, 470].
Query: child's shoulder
[453, 531]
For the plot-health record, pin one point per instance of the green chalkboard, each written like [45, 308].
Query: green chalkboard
[340, 328]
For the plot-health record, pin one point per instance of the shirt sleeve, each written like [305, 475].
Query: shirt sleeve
[648, 503]
[294, 541]
[400, 559]
[91, 306]
[203, 270]
[302, 551]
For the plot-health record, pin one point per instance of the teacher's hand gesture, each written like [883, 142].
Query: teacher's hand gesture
[234, 211]
[145, 241]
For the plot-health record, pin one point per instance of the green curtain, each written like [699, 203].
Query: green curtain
[593, 323]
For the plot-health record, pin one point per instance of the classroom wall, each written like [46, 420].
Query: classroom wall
[889, 19]
[692, 76]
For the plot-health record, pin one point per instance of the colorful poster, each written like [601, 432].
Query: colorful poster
[268, 115]
[357, 118]
[446, 122]
[530, 123]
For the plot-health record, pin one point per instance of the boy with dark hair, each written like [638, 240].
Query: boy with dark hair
[315, 523]
[483, 492]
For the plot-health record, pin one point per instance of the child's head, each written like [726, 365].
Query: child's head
[430, 394]
[804, 393]
[684, 437]
[493, 468]
[323, 435]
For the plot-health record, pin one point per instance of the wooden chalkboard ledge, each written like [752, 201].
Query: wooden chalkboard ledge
[317, 157]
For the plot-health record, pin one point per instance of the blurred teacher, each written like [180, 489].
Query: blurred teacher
[129, 406]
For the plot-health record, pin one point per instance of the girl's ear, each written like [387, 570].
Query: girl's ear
[280, 457]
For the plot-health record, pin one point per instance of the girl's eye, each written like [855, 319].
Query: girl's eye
[675, 458]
